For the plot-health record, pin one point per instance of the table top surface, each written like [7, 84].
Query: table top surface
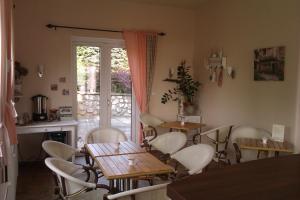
[256, 144]
[144, 164]
[265, 179]
[177, 125]
[48, 124]
[110, 149]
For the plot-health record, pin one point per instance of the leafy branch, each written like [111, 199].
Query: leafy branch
[186, 86]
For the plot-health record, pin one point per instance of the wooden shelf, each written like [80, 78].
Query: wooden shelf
[171, 80]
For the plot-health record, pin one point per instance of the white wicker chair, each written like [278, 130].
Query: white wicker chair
[59, 150]
[169, 143]
[247, 132]
[156, 192]
[195, 158]
[66, 152]
[105, 135]
[149, 124]
[71, 187]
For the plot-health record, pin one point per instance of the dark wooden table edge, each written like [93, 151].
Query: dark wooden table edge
[174, 194]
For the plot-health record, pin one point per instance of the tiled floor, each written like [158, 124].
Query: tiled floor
[36, 182]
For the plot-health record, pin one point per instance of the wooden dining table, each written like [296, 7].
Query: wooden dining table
[271, 145]
[265, 179]
[111, 149]
[122, 164]
[186, 128]
[176, 125]
[118, 167]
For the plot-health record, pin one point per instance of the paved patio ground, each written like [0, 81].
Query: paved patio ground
[87, 124]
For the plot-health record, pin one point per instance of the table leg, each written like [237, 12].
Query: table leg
[217, 145]
[123, 184]
[200, 139]
[195, 136]
[118, 185]
[128, 184]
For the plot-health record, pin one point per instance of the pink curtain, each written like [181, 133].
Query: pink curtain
[136, 51]
[141, 49]
[7, 55]
[3, 160]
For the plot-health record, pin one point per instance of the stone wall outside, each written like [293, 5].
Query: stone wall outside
[89, 105]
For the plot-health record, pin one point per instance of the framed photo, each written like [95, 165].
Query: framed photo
[269, 64]
[54, 87]
[62, 79]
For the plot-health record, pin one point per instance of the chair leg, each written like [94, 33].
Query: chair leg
[223, 157]
[56, 188]
[150, 181]
[228, 161]
[258, 154]
[195, 138]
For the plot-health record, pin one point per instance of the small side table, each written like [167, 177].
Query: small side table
[188, 126]
[256, 144]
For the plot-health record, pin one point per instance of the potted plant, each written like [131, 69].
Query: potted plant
[185, 90]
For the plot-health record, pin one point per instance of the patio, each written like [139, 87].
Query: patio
[87, 124]
[88, 113]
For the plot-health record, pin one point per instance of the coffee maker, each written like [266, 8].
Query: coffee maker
[39, 108]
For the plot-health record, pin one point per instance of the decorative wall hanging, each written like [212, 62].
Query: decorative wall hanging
[269, 64]
[20, 72]
[40, 71]
[217, 66]
[65, 92]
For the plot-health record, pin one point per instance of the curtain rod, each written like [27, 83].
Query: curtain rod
[52, 26]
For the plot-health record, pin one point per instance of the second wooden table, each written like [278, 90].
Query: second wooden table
[117, 167]
[111, 149]
[256, 144]
[177, 125]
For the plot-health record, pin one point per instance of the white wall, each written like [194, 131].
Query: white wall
[239, 27]
[35, 44]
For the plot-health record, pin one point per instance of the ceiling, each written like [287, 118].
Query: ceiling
[190, 4]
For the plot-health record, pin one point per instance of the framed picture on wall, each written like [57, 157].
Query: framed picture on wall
[269, 64]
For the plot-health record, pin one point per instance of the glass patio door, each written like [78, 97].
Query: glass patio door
[103, 87]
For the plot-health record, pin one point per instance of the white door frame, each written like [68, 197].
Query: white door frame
[105, 81]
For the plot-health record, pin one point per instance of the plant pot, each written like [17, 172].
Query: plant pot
[190, 109]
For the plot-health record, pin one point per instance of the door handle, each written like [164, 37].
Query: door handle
[108, 102]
